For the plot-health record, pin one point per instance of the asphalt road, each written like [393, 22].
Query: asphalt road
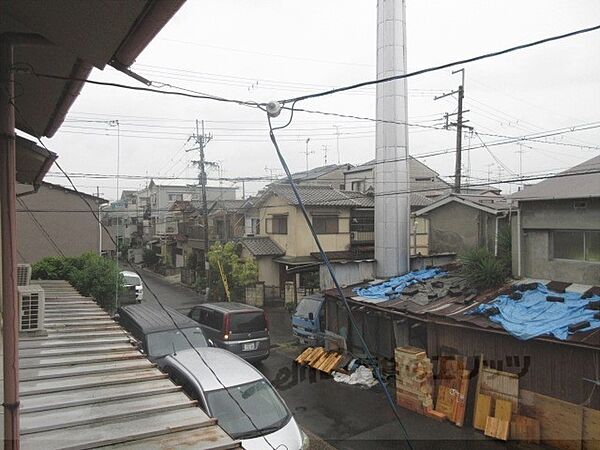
[334, 415]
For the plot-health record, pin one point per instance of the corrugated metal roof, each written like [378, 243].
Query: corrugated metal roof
[84, 385]
[579, 185]
[323, 196]
[436, 303]
[262, 246]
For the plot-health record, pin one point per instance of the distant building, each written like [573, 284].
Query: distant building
[331, 175]
[423, 180]
[458, 222]
[556, 234]
[284, 247]
[57, 221]
[155, 201]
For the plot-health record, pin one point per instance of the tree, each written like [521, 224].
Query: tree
[239, 272]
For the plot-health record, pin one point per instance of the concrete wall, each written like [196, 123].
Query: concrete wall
[538, 220]
[268, 271]
[59, 218]
[454, 228]
[298, 241]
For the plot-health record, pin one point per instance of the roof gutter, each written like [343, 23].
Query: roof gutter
[154, 17]
[79, 74]
[148, 24]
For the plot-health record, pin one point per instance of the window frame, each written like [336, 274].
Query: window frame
[279, 218]
[584, 251]
[325, 227]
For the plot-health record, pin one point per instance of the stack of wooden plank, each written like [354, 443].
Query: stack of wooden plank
[496, 405]
[414, 379]
[453, 388]
[320, 359]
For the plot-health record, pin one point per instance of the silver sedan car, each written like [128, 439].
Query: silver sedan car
[238, 396]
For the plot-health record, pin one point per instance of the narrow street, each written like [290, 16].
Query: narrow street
[333, 414]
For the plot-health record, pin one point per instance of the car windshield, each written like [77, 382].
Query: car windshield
[130, 280]
[248, 410]
[248, 322]
[307, 305]
[167, 342]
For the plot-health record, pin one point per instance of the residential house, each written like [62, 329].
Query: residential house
[423, 180]
[263, 249]
[328, 175]
[122, 220]
[56, 221]
[425, 186]
[283, 224]
[155, 202]
[226, 220]
[459, 222]
[556, 234]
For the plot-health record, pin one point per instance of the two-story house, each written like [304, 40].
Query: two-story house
[284, 247]
[155, 202]
[425, 186]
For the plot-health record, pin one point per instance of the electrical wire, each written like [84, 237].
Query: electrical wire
[442, 66]
[167, 312]
[371, 360]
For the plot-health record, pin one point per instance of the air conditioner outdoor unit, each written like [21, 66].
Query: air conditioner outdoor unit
[23, 274]
[31, 307]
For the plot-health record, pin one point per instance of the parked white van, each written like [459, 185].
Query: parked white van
[133, 279]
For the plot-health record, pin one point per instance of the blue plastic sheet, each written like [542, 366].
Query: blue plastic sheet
[394, 286]
[533, 316]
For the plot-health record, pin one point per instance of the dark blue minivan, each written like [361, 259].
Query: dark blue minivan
[308, 322]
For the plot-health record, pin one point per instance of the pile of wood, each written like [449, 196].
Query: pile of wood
[414, 379]
[496, 406]
[320, 359]
[453, 388]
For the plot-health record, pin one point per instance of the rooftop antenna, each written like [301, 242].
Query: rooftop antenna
[324, 148]
[307, 152]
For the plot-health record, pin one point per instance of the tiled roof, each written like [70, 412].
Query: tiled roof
[419, 200]
[578, 185]
[323, 196]
[262, 246]
[316, 172]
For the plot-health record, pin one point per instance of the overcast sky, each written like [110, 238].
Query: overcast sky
[271, 49]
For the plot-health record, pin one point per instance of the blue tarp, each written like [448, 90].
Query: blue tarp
[394, 286]
[534, 316]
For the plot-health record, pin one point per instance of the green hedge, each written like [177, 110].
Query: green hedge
[90, 274]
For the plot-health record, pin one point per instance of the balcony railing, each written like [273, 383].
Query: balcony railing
[362, 236]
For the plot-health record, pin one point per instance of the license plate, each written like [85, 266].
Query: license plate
[249, 347]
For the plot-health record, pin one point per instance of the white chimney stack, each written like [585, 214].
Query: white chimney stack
[392, 207]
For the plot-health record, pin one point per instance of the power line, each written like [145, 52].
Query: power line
[442, 66]
[325, 259]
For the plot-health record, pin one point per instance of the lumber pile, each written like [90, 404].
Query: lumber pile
[496, 406]
[320, 359]
[453, 388]
[414, 380]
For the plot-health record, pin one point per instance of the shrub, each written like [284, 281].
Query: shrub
[90, 274]
[482, 269]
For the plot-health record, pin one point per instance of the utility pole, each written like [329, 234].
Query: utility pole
[324, 148]
[460, 124]
[520, 152]
[99, 222]
[337, 141]
[202, 140]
